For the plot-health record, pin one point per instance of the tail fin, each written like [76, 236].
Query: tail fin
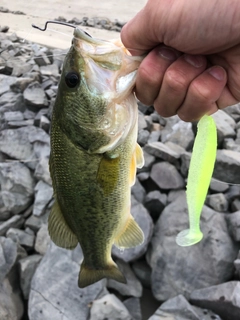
[89, 276]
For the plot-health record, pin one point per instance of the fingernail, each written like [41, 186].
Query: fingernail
[196, 61]
[217, 72]
[168, 53]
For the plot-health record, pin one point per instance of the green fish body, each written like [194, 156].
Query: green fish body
[94, 155]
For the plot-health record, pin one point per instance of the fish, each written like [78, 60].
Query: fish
[199, 177]
[94, 155]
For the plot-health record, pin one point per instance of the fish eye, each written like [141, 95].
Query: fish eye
[72, 79]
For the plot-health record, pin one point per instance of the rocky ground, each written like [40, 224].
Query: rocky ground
[38, 281]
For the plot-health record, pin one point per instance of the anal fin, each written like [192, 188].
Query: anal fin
[131, 236]
[139, 156]
[58, 229]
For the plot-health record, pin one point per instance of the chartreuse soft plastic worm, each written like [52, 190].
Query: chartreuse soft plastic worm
[199, 177]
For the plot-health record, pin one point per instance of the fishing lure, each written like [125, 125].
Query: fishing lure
[199, 177]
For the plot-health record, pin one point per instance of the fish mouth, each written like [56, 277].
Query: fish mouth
[79, 34]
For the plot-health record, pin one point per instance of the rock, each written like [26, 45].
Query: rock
[27, 267]
[133, 286]
[174, 194]
[43, 195]
[227, 166]
[173, 266]
[185, 163]
[142, 123]
[42, 240]
[222, 299]
[235, 206]
[237, 265]
[218, 202]
[155, 202]
[25, 239]
[218, 186]
[178, 308]
[143, 272]
[162, 151]
[144, 220]
[11, 306]
[11, 101]
[233, 193]
[41, 59]
[134, 308]
[14, 222]
[17, 66]
[225, 125]
[13, 116]
[143, 136]
[166, 176]
[34, 96]
[138, 191]
[109, 307]
[233, 220]
[17, 184]
[231, 144]
[35, 223]
[49, 70]
[54, 292]
[154, 136]
[178, 132]
[42, 171]
[233, 111]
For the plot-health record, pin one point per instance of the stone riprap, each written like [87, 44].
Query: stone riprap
[39, 280]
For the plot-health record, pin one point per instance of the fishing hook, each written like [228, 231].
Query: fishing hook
[58, 22]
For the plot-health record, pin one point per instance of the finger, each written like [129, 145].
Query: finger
[151, 72]
[176, 81]
[203, 94]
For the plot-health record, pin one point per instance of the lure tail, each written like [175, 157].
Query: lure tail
[199, 177]
[89, 276]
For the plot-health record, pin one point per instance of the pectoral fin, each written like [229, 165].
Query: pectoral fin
[108, 173]
[136, 162]
[131, 236]
[59, 230]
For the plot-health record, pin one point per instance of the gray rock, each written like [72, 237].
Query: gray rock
[144, 220]
[134, 308]
[143, 136]
[42, 171]
[233, 193]
[185, 163]
[11, 306]
[41, 59]
[49, 70]
[173, 267]
[43, 195]
[178, 308]
[14, 222]
[25, 239]
[17, 185]
[143, 272]
[227, 166]
[231, 144]
[233, 220]
[218, 186]
[109, 307]
[237, 265]
[155, 202]
[42, 240]
[225, 125]
[54, 292]
[162, 151]
[154, 136]
[11, 101]
[13, 116]
[27, 267]
[35, 223]
[235, 206]
[142, 123]
[138, 191]
[223, 299]
[233, 111]
[133, 286]
[5, 83]
[218, 202]
[166, 176]
[18, 66]
[34, 96]
[178, 132]
[174, 194]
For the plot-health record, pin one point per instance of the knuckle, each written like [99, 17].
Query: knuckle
[200, 91]
[176, 81]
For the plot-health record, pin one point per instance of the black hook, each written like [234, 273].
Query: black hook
[58, 22]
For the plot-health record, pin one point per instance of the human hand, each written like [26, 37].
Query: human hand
[193, 63]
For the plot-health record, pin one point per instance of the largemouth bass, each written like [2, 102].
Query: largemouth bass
[94, 155]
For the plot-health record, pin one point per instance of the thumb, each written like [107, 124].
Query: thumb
[138, 35]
